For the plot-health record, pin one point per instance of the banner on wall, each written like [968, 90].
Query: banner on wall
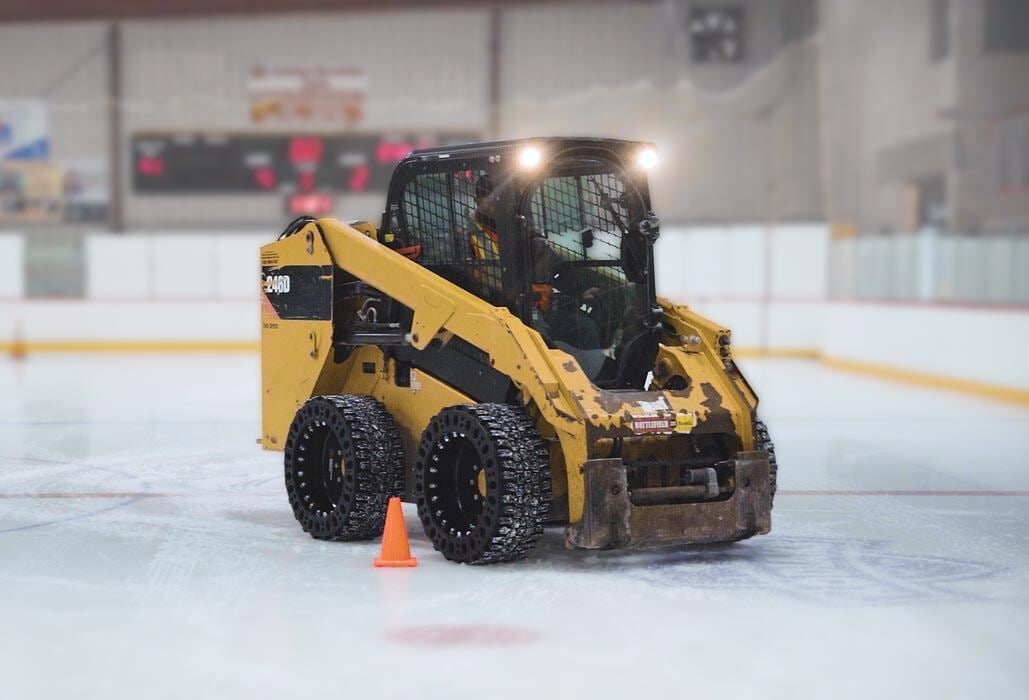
[86, 189]
[24, 130]
[330, 96]
[30, 191]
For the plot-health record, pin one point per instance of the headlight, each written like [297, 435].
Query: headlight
[647, 158]
[529, 157]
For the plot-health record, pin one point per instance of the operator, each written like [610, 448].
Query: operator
[482, 229]
[560, 317]
[576, 326]
[485, 242]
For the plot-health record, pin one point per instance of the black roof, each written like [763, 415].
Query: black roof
[481, 148]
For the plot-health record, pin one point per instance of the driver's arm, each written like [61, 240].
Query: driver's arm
[544, 260]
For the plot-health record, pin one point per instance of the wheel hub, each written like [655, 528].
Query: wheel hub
[321, 467]
[457, 483]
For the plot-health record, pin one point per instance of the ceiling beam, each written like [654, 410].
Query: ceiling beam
[65, 10]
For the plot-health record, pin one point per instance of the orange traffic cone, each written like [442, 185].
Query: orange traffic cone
[18, 349]
[395, 549]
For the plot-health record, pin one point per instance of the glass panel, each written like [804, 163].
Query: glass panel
[584, 303]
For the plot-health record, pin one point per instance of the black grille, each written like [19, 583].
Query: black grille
[582, 218]
[449, 215]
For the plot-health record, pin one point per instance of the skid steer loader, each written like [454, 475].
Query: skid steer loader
[494, 352]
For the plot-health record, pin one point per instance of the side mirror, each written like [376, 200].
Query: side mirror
[642, 234]
[586, 236]
[649, 228]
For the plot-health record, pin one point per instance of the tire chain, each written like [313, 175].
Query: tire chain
[378, 464]
[524, 482]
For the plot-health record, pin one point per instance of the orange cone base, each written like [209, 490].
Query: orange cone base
[395, 563]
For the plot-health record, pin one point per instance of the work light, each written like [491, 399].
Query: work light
[647, 158]
[529, 157]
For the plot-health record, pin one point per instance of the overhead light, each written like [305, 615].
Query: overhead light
[530, 157]
[647, 158]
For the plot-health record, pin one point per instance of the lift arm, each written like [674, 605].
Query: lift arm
[440, 306]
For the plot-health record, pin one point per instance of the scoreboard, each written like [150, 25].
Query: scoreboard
[199, 163]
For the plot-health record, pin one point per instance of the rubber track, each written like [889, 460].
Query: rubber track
[379, 470]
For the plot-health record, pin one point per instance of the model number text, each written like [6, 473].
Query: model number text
[276, 284]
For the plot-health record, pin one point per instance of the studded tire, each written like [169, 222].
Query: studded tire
[482, 483]
[763, 442]
[343, 461]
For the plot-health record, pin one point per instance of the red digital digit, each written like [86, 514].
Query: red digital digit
[265, 178]
[359, 179]
[313, 204]
[305, 149]
[392, 151]
[150, 166]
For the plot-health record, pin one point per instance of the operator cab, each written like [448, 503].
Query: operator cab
[559, 231]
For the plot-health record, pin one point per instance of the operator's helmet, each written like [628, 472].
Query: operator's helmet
[483, 187]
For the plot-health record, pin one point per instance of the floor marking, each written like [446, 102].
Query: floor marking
[900, 492]
[84, 494]
[1008, 394]
[137, 346]
[462, 635]
[73, 518]
[153, 422]
[781, 492]
[1016, 395]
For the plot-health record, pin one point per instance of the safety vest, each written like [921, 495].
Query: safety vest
[485, 243]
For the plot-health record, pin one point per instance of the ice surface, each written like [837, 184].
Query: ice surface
[147, 551]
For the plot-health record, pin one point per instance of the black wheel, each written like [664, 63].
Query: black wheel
[762, 441]
[343, 460]
[482, 483]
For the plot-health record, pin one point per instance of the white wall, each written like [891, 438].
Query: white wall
[172, 286]
[740, 139]
[770, 286]
[767, 284]
[969, 343]
[173, 266]
[12, 266]
[65, 64]
[426, 71]
[147, 321]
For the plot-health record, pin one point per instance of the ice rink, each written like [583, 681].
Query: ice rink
[147, 551]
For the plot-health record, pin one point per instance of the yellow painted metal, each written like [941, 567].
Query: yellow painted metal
[703, 364]
[294, 353]
[439, 305]
[365, 227]
[574, 415]
[412, 407]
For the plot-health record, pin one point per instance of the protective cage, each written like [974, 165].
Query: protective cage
[449, 233]
[561, 246]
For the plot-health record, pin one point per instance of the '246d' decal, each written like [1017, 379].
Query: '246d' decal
[276, 284]
[298, 291]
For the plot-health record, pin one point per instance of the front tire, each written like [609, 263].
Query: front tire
[343, 461]
[482, 483]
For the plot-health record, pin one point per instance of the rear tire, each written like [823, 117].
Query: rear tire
[482, 483]
[763, 442]
[343, 461]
